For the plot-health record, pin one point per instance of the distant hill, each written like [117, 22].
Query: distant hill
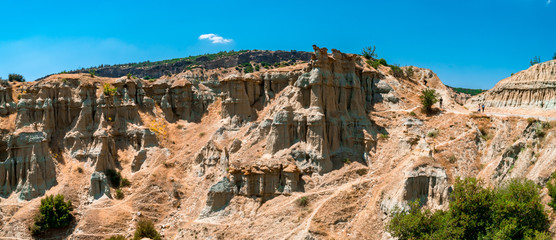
[223, 59]
[469, 91]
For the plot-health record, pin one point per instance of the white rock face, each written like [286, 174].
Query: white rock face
[531, 88]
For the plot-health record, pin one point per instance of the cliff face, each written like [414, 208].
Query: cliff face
[531, 88]
[327, 149]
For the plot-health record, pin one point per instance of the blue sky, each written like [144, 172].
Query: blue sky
[472, 43]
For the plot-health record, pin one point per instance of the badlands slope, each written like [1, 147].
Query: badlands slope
[218, 154]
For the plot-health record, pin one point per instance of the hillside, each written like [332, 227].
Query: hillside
[148, 69]
[324, 148]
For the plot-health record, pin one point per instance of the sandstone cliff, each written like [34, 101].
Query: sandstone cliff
[318, 150]
[531, 88]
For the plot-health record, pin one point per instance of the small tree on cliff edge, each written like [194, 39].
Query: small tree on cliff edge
[369, 52]
[428, 98]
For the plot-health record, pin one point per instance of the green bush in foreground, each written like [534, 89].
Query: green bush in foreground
[15, 78]
[54, 212]
[114, 177]
[145, 229]
[117, 237]
[512, 211]
[428, 98]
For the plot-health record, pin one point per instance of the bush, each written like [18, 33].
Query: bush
[145, 229]
[92, 73]
[16, 78]
[554, 56]
[535, 60]
[513, 211]
[552, 191]
[432, 133]
[428, 98]
[114, 177]
[396, 71]
[119, 194]
[125, 182]
[108, 90]
[117, 237]
[129, 76]
[369, 52]
[302, 201]
[54, 212]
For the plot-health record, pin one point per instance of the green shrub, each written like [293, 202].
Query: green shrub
[92, 73]
[552, 191]
[554, 56]
[114, 177]
[432, 133]
[302, 201]
[512, 211]
[383, 136]
[535, 60]
[16, 78]
[396, 71]
[129, 76]
[117, 237]
[125, 182]
[369, 52]
[428, 98]
[145, 229]
[119, 194]
[108, 90]
[54, 212]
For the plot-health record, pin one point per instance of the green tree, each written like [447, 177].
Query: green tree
[145, 229]
[554, 56]
[14, 77]
[369, 52]
[535, 60]
[511, 211]
[552, 191]
[54, 212]
[428, 98]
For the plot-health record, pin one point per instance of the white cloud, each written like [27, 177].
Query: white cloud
[548, 2]
[214, 38]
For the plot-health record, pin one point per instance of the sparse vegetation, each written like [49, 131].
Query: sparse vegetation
[145, 229]
[383, 136]
[54, 212]
[376, 63]
[512, 211]
[412, 113]
[119, 194]
[117, 237]
[129, 76]
[433, 133]
[302, 201]
[202, 134]
[369, 52]
[428, 98]
[159, 128]
[452, 158]
[125, 182]
[346, 161]
[92, 73]
[396, 71]
[108, 90]
[535, 60]
[554, 56]
[14, 77]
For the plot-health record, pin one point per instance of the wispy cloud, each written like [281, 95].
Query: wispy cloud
[548, 2]
[214, 38]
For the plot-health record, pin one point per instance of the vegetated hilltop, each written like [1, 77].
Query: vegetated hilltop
[324, 149]
[270, 59]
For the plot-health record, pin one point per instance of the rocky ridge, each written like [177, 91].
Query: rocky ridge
[220, 153]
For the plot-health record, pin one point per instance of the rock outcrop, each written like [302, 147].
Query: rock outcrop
[531, 88]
